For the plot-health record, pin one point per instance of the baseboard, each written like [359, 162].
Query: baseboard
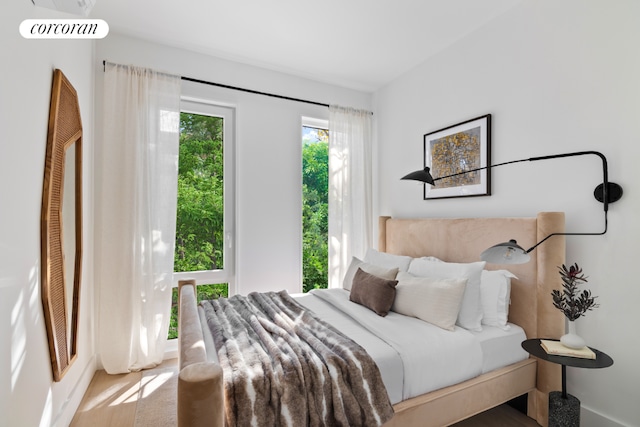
[70, 406]
[591, 418]
[170, 352]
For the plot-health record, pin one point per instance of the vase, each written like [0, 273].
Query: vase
[571, 339]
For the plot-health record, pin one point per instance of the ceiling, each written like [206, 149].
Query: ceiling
[360, 44]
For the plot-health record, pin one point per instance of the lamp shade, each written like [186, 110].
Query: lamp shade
[505, 253]
[423, 175]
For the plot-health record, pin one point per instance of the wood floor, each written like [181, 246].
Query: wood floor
[114, 400]
[502, 416]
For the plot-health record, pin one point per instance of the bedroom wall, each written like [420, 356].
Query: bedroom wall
[268, 149]
[28, 394]
[557, 77]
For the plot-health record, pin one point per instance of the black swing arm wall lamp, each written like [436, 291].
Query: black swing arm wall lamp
[509, 252]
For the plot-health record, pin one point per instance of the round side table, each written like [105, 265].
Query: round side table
[564, 409]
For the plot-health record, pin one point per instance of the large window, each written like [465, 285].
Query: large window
[205, 217]
[315, 208]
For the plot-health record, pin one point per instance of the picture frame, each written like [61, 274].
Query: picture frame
[454, 149]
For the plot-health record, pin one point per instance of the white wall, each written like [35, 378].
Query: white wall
[557, 76]
[268, 150]
[28, 395]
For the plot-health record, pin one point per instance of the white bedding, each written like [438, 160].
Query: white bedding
[501, 347]
[414, 357]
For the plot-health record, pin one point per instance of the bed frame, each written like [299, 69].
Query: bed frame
[200, 390]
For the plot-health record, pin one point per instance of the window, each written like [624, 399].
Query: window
[315, 208]
[205, 216]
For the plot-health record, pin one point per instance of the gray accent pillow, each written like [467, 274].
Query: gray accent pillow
[373, 292]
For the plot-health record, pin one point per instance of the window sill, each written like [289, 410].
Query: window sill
[171, 349]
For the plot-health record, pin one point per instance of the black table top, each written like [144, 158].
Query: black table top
[534, 348]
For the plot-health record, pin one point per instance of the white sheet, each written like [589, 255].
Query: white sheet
[501, 348]
[430, 357]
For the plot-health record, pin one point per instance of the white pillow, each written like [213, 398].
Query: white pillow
[495, 294]
[436, 301]
[431, 258]
[385, 273]
[470, 316]
[383, 259]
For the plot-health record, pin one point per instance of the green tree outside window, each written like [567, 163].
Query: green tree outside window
[315, 208]
[200, 208]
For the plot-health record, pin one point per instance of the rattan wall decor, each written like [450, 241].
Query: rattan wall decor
[61, 225]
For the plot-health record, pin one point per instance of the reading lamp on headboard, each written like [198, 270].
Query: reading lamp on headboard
[510, 252]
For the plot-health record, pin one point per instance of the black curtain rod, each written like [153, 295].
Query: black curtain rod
[255, 92]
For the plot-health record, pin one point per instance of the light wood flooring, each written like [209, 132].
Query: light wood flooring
[112, 400]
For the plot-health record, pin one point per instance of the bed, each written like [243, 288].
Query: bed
[200, 390]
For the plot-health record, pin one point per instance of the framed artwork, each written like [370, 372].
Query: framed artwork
[455, 149]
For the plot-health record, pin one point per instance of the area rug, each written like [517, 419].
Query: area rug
[157, 397]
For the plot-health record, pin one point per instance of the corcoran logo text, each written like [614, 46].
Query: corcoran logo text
[64, 29]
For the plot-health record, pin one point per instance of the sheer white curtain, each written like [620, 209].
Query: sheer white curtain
[350, 204]
[136, 178]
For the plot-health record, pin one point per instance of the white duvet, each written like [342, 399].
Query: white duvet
[414, 357]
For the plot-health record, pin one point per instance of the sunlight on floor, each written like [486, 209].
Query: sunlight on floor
[130, 396]
[151, 383]
[111, 396]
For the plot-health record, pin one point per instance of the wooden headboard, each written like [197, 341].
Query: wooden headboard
[463, 239]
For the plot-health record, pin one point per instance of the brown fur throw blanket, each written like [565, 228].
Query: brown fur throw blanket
[285, 367]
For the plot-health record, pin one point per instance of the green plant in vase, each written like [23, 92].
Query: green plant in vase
[572, 302]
